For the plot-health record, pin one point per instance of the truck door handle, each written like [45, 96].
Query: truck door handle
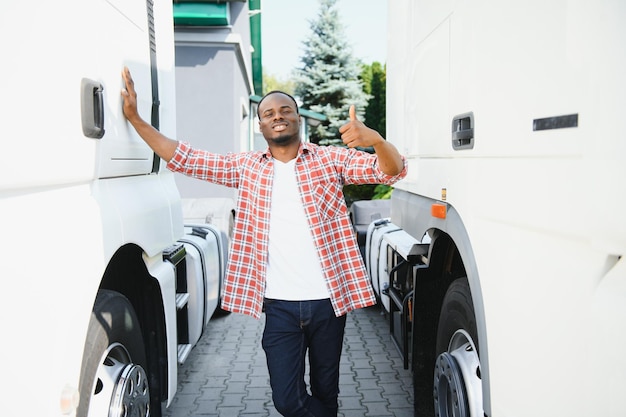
[463, 131]
[92, 108]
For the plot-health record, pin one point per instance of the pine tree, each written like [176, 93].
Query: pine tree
[328, 81]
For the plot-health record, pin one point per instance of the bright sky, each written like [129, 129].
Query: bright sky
[285, 25]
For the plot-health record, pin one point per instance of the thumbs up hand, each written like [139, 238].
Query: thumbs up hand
[355, 134]
[352, 113]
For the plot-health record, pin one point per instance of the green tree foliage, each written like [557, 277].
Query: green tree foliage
[328, 81]
[375, 84]
[271, 82]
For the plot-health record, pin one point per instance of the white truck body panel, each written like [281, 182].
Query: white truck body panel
[42, 333]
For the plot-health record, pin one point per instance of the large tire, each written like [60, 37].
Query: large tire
[113, 379]
[457, 387]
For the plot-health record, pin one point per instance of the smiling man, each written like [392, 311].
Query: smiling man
[293, 251]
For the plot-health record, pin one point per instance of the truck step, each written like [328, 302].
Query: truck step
[183, 353]
[407, 247]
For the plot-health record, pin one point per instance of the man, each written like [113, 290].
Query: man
[293, 249]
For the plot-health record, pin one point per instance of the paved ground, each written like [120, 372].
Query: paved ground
[226, 376]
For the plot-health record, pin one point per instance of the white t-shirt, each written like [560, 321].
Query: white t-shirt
[294, 272]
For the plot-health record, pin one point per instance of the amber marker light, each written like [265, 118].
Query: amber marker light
[438, 210]
[69, 400]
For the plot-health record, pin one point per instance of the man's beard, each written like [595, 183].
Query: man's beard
[282, 139]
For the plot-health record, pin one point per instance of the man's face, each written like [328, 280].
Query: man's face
[278, 120]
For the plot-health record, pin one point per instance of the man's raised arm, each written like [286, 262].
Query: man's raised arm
[160, 144]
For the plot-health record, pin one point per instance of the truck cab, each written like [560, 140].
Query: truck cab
[504, 247]
[107, 286]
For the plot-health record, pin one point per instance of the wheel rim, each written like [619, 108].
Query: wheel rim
[120, 387]
[458, 387]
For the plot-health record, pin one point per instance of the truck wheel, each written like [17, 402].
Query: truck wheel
[113, 378]
[457, 387]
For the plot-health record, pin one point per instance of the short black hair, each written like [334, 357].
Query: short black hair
[275, 92]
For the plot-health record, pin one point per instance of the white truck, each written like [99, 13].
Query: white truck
[105, 288]
[501, 264]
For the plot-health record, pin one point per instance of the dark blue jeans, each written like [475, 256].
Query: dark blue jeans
[292, 327]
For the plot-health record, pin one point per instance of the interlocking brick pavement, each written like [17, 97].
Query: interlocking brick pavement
[226, 375]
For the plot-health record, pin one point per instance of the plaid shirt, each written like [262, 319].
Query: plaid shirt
[321, 172]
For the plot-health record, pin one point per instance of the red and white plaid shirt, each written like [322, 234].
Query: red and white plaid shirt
[321, 171]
